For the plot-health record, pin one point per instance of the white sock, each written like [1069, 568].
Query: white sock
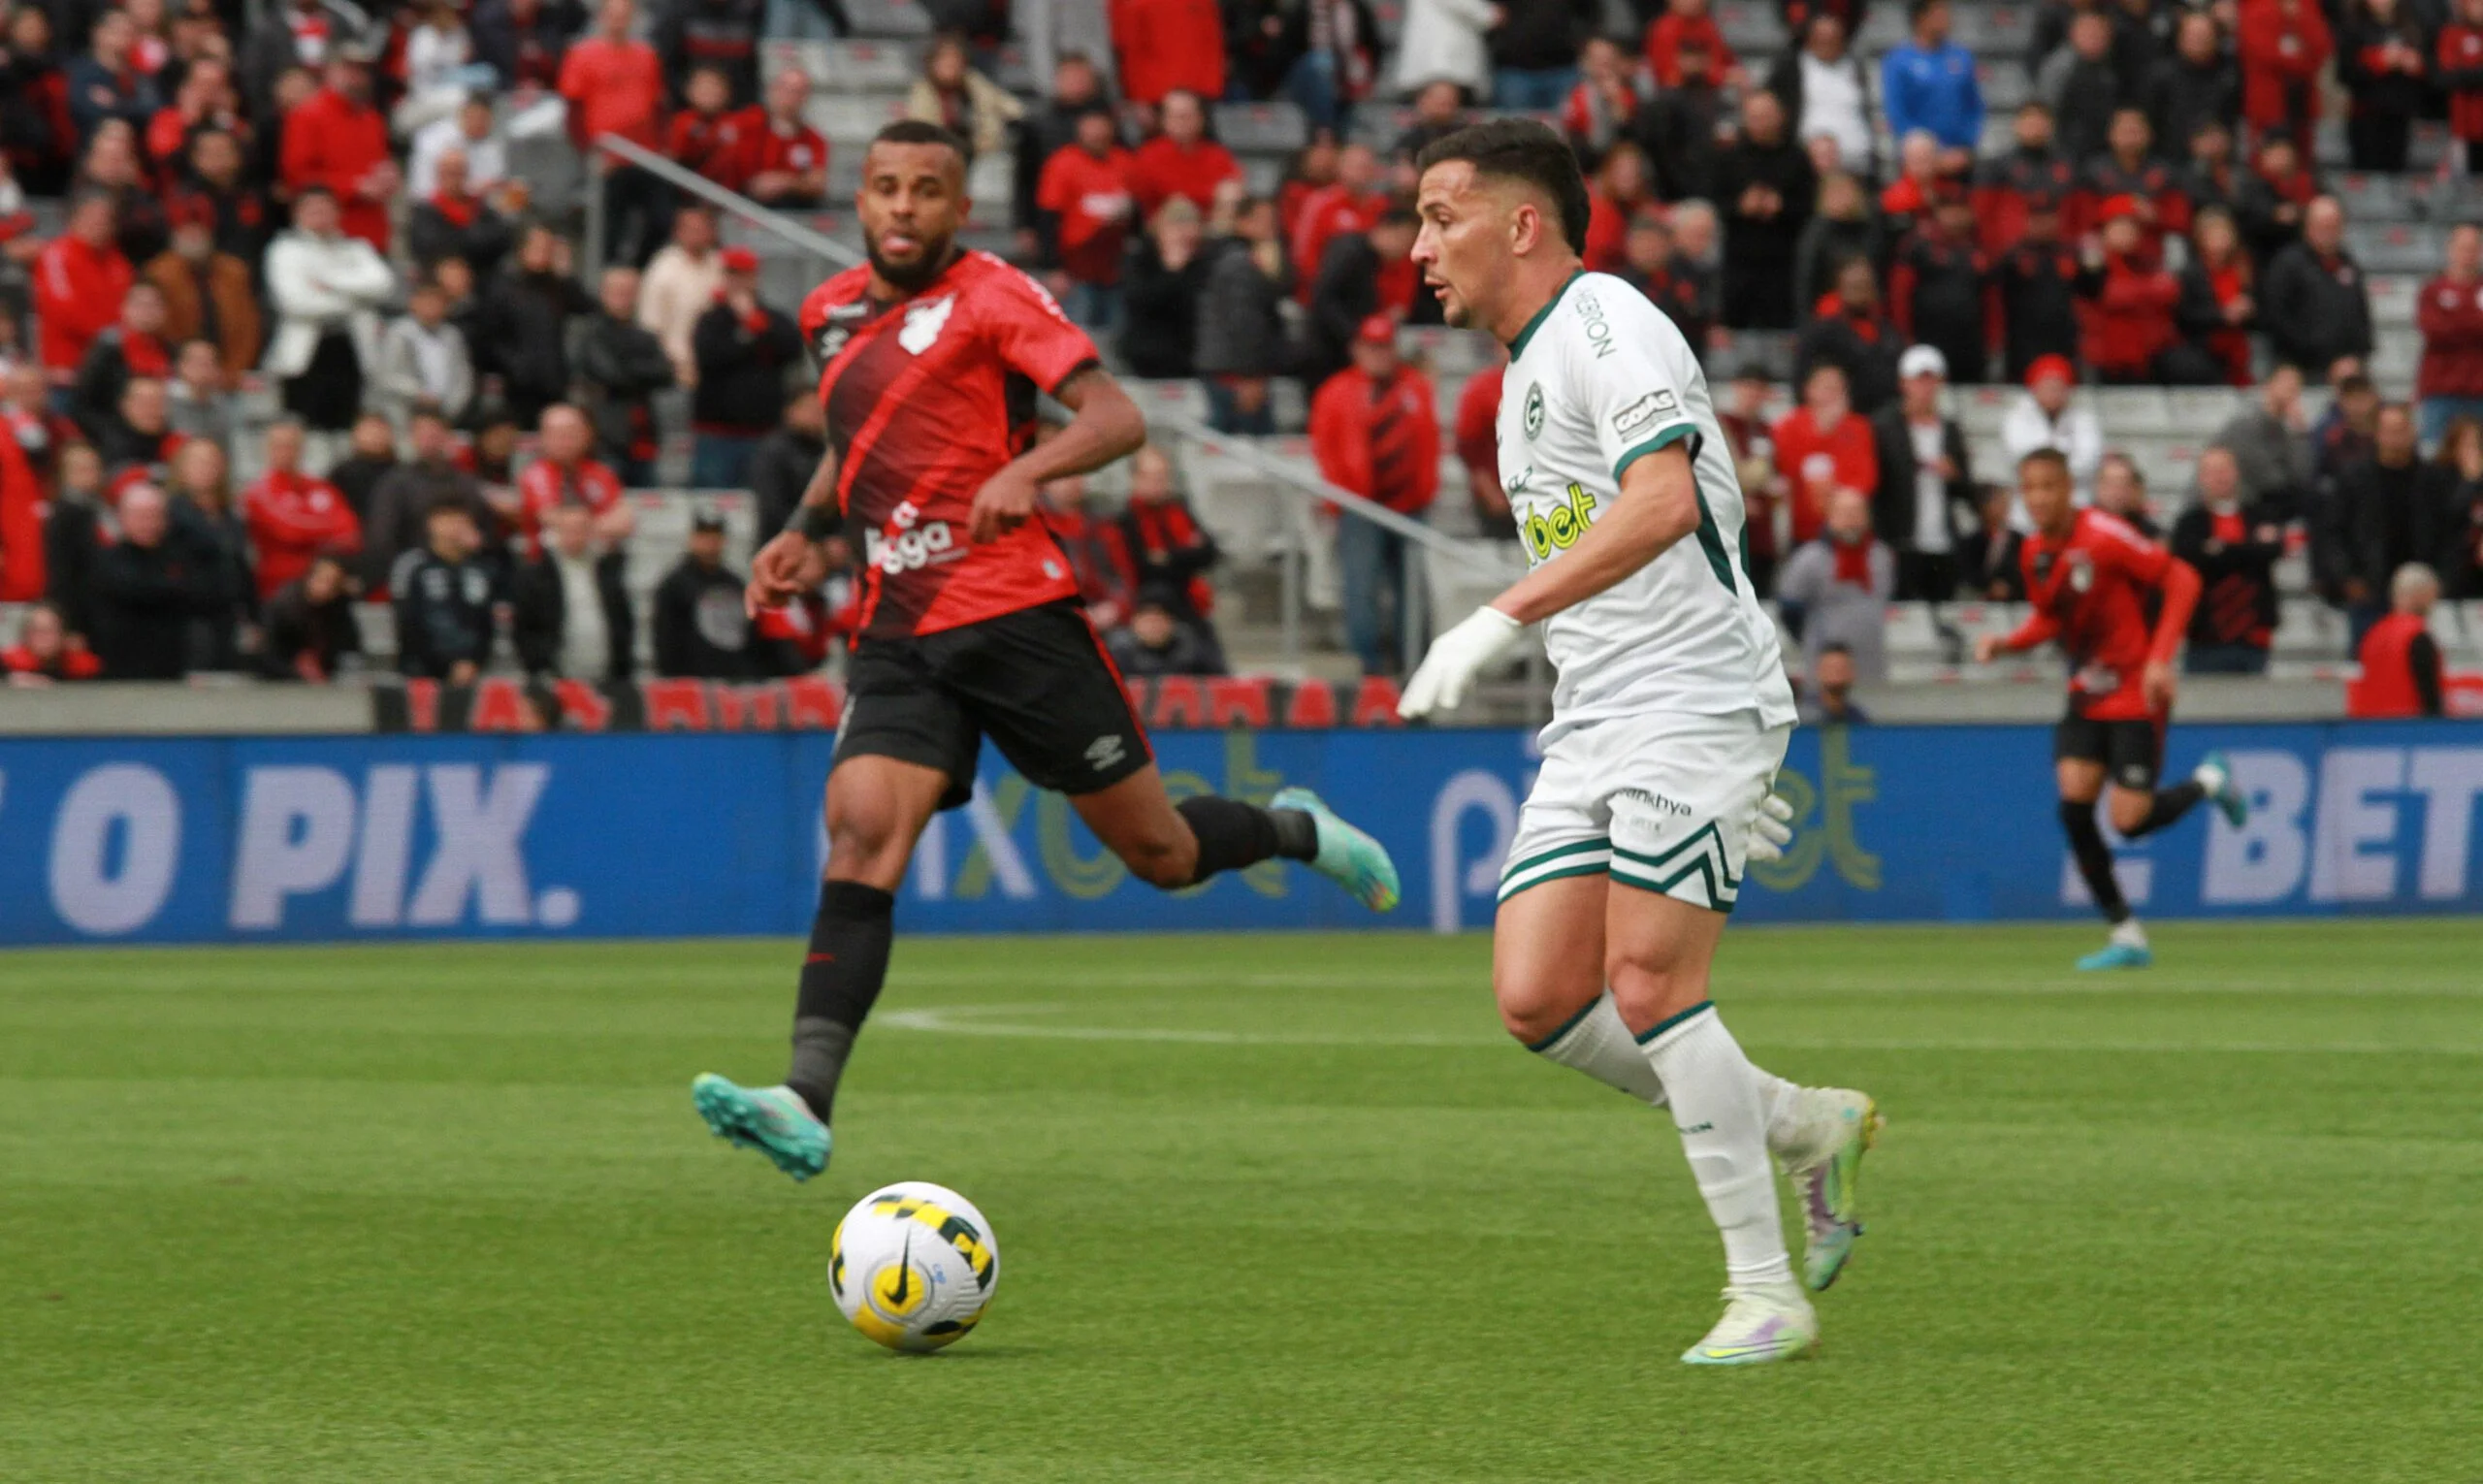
[2207, 776]
[1597, 1042]
[1779, 1106]
[2129, 934]
[1718, 1107]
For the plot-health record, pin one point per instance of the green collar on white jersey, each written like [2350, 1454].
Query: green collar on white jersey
[1517, 347]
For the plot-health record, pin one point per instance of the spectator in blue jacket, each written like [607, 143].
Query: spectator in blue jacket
[105, 82]
[1928, 83]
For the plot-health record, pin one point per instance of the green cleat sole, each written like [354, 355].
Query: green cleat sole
[734, 1116]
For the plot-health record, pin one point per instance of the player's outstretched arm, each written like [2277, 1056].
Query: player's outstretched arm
[794, 561]
[2039, 628]
[1103, 425]
[1659, 506]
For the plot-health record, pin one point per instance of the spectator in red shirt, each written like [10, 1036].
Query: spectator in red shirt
[2283, 45]
[1822, 448]
[1350, 203]
[2130, 302]
[2460, 75]
[2449, 311]
[1183, 161]
[707, 136]
[1684, 21]
[293, 515]
[1086, 188]
[131, 347]
[1158, 547]
[43, 652]
[1602, 107]
[23, 508]
[2217, 304]
[337, 138]
[614, 84]
[568, 473]
[785, 160]
[1168, 44]
[1622, 188]
[206, 101]
[1479, 448]
[1374, 432]
[2128, 170]
[80, 283]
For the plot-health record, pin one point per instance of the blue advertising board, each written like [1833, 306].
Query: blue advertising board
[337, 839]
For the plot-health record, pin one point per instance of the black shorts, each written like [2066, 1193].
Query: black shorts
[1036, 682]
[2132, 752]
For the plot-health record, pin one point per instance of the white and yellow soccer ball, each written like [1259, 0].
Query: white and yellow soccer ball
[913, 1266]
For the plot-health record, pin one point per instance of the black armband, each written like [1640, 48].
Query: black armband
[815, 523]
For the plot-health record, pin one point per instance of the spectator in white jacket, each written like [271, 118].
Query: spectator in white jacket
[2046, 418]
[328, 288]
[1443, 42]
[470, 131]
[439, 67]
[424, 361]
[681, 283]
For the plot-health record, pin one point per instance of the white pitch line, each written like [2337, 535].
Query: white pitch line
[2091, 984]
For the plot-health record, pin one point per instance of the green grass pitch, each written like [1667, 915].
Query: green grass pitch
[1270, 1207]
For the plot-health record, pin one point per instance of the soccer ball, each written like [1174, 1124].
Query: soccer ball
[913, 1266]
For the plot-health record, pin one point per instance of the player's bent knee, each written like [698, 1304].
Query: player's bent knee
[2129, 811]
[1533, 1012]
[1165, 863]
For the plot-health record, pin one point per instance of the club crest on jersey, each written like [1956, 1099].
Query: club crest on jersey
[924, 323]
[2082, 571]
[1535, 409]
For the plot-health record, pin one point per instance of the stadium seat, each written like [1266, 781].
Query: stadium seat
[2198, 411]
[2133, 411]
[2375, 198]
[2308, 629]
[849, 120]
[2391, 299]
[2395, 247]
[1980, 409]
[2005, 85]
[1883, 30]
[868, 66]
[889, 17]
[1261, 127]
[1993, 30]
[1751, 25]
[1180, 398]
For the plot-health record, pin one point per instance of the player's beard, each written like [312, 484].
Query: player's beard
[915, 277]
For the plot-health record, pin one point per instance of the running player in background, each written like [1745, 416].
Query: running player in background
[969, 625]
[2089, 576]
[1669, 721]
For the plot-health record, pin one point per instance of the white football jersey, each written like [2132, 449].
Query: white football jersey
[1596, 381]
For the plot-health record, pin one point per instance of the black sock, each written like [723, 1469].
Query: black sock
[1233, 834]
[2170, 804]
[2094, 859]
[841, 978]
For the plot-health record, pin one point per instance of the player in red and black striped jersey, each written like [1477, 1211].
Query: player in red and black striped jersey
[970, 624]
[2091, 578]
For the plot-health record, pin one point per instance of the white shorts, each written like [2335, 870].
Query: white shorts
[1660, 802]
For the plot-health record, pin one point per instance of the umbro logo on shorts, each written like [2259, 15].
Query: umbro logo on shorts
[1105, 752]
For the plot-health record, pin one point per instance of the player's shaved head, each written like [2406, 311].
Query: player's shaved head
[912, 202]
[1503, 220]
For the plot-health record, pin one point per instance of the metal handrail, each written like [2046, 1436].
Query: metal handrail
[674, 175]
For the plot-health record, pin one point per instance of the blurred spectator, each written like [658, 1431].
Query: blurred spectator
[81, 281]
[309, 628]
[951, 94]
[1921, 181]
[1476, 435]
[24, 503]
[2344, 439]
[77, 525]
[786, 165]
[1618, 193]
[701, 629]
[492, 459]
[112, 165]
[27, 419]
[1166, 276]
[1443, 40]
[1376, 434]
[43, 652]
[2210, 177]
[339, 140]
[2046, 418]
[38, 136]
[327, 287]
[1992, 564]
[401, 501]
[745, 349]
[1827, 701]
[423, 358]
[144, 589]
[2450, 310]
[139, 440]
[1166, 44]
[1603, 104]
[2391, 511]
[2271, 456]
[1351, 203]
[1183, 161]
[2460, 458]
[2460, 75]
[107, 83]
[522, 331]
[2081, 86]
[622, 366]
[680, 284]
[471, 133]
[573, 616]
[438, 57]
[1928, 83]
[370, 458]
[1848, 330]
[293, 514]
[1742, 417]
[1696, 300]
[1822, 449]
[1684, 24]
[2274, 199]
[1092, 543]
[2130, 334]
[207, 293]
[2316, 302]
[2283, 45]
[1925, 496]
[1938, 289]
[2400, 659]
[444, 600]
[614, 84]
[1159, 545]
[266, 147]
[1353, 287]
[2128, 172]
[722, 34]
[568, 473]
[704, 135]
[1835, 587]
[456, 221]
[1440, 111]
[1768, 186]
[2235, 549]
[781, 465]
[290, 37]
[2216, 310]
[2120, 492]
[1312, 169]
[239, 216]
[2381, 66]
[1076, 88]
[1827, 93]
[1155, 642]
[1681, 129]
[2197, 83]
[1242, 340]
[1086, 188]
[224, 625]
[132, 345]
[1328, 50]
[1651, 265]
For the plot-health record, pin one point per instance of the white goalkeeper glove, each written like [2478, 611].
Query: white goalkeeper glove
[1771, 829]
[1447, 673]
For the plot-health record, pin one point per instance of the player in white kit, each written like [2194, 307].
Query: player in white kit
[1669, 717]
